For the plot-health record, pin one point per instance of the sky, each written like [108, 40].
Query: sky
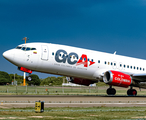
[101, 25]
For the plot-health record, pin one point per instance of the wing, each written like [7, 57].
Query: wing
[141, 77]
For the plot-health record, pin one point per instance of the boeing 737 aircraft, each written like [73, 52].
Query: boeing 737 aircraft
[82, 66]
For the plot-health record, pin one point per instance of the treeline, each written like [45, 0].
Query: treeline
[6, 79]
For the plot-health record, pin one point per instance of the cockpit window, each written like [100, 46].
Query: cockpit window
[18, 47]
[33, 48]
[23, 48]
[27, 49]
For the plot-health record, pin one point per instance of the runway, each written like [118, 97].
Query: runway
[72, 101]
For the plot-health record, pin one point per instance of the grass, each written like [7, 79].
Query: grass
[94, 113]
[59, 90]
[68, 113]
[46, 90]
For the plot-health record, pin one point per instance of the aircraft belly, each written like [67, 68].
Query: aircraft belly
[64, 69]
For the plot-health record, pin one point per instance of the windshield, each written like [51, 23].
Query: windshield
[25, 48]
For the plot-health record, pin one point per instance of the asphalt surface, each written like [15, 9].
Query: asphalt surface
[72, 101]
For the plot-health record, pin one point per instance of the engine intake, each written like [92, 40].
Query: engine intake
[117, 78]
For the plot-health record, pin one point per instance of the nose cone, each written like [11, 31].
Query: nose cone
[9, 55]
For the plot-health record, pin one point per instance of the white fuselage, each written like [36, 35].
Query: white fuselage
[66, 60]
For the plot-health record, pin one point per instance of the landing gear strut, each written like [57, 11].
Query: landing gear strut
[111, 91]
[28, 78]
[131, 92]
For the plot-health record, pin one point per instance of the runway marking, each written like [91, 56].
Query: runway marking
[70, 110]
[73, 103]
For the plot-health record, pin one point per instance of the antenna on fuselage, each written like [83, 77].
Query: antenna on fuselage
[115, 52]
[24, 77]
[25, 38]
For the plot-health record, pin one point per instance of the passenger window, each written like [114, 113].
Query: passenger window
[134, 67]
[108, 63]
[137, 68]
[52, 53]
[114, 64]
[92, 60]
[88, 59]
[74, 57]
[143, 69]
[131, 67]
[81, 58]
[98, 61]
[140, 68]
[120, 65]
[127, 66]
[124, 66]
[105, 62]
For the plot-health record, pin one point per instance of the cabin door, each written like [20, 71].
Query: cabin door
[45, 52]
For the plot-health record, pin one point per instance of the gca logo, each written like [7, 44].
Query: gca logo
[61, 56]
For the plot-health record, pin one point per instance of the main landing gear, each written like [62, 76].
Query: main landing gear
[131, 92]
[111, 91]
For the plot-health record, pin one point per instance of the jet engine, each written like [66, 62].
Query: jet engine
[117, 78]
[80, 81]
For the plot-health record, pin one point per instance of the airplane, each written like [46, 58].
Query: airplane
[82, 66]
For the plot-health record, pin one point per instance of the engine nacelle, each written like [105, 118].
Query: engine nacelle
[80, 81]
[117, 78]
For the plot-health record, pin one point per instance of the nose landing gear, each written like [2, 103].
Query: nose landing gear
[28, 78]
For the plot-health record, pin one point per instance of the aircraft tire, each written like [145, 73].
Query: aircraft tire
[111, 91]
[131, 92]
[29, 78]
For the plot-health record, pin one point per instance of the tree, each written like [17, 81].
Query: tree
[34, 80]
[48, 81]
[4, 78]
[18, 78]
[52, 81]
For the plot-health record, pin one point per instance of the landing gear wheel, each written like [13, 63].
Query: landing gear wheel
[28, 78]
[131, 92]
[111, 91]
